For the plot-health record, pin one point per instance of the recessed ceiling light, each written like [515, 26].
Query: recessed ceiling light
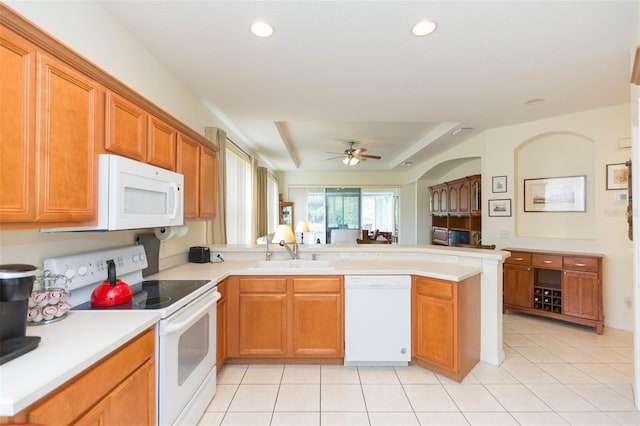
[423, 28]
[534, 101]
[406, 163]
[261, 29]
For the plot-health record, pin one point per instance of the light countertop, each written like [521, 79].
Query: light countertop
[67, 348]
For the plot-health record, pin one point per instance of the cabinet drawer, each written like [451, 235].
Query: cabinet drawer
[519, 258]
[263, 285]
[317, 285]
[546, 261]
[577, 263]
[435, 288]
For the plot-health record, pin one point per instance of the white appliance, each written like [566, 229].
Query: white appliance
[185, 336]
[377, 320]
[134, 195]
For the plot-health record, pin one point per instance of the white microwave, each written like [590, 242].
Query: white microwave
[135, 195]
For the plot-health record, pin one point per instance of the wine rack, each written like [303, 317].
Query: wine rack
[547, 299]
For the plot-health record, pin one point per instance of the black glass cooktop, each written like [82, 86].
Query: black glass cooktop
[152, 294]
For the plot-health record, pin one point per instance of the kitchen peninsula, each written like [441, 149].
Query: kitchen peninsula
[444, 267]
[452, 264]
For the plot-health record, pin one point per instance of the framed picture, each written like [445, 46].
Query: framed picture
[617, 176]
[557, 194]
[499, 184]
[500, 208]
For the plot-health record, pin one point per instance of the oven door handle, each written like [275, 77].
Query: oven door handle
[173, 327]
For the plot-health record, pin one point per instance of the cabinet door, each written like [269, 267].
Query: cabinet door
[262, 311]
[463, 197]
[125, 128]
[517, 285]
[443, 201]
[475, 196]
[208, 184]
[139, 387]
[317, 317]
[435, 331]
[453, 198]
[439, 236]
[188, 163]
[161, 149]
[580, 294]
[17, 129]
[68, 139]
[435, 201]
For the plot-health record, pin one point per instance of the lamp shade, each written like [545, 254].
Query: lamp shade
[284, 233]
[302, 226]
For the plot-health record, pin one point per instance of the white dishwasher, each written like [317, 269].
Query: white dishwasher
[377, 320]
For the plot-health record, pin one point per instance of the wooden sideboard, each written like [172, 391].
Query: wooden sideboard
[561, 285]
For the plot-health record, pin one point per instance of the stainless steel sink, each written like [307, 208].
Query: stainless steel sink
[293, 264]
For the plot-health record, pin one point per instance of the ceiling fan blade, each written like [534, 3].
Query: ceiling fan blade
[333, 158]
[334, 153]
[359, 151]
[373, 157]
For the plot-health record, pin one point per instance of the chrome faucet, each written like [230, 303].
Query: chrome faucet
[292, 251]
[268, 253]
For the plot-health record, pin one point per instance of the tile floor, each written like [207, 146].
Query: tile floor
[554, 374]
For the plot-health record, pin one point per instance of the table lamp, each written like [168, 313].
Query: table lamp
[302, 227]
[284, 233]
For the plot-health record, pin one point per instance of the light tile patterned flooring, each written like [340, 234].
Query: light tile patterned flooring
[554, 374]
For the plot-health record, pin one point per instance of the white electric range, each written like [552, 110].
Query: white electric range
[185, 336]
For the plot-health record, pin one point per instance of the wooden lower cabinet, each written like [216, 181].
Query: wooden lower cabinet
[446, 325]
[517, 286]
[560, 285]
[317, 317]
[118, 390]
[285, 317]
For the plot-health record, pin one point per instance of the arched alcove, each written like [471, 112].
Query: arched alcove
[555, 154]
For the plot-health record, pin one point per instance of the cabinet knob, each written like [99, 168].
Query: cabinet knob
[518, 259]
[547, 261]
[580, 264]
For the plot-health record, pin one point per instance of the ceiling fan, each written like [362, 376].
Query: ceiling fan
[351, 157]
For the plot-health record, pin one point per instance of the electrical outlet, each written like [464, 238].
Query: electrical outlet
[345, 255]
[504, 234]
[452, 259]
[363, 255]
[627, 302]
[377, 255]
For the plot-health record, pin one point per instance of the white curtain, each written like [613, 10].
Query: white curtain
[217, 228]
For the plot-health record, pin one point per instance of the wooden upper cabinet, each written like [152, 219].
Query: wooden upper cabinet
[458, 197]
[161, 147]
[199, 166]
[208, 184]
[17, 128]
[188, 163]
[125, 128]
[68, 137]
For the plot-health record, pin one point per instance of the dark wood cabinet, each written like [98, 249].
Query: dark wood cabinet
[561, 285]
[456, 205]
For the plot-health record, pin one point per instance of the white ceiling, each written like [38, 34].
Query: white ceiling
[339, 71]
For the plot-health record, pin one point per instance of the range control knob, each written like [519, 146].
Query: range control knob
[70, 273]
[136, 258]
[82, 271]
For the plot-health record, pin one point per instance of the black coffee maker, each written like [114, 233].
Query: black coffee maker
[16, 283]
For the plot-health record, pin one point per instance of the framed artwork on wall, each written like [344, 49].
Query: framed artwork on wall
[500, 208]
[617, 176]
[499, 184]
[557, 194]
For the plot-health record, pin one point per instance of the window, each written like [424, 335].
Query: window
[325, 209]
[239, 190]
